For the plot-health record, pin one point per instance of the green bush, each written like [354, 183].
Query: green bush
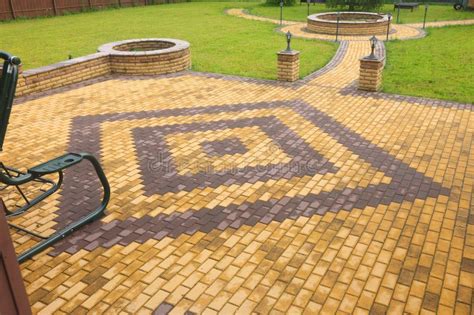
[277, 2]
[352, 5]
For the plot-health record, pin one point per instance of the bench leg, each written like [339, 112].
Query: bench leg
[54, 186]
[92, 216]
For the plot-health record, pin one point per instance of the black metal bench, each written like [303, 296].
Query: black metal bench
[406, 5]
[312, 1]
[13, 177]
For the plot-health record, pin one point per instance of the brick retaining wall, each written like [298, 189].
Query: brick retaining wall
[148, 56]
[144, 65]
[326, 23]
[348, 29]
[63, 73]
[170, 59]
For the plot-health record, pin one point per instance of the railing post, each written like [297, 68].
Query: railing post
[90, 4]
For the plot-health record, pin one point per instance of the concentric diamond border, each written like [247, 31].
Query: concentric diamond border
[407, 184]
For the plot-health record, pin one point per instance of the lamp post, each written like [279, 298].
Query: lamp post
[281, 12]
[373, 42]
[398, 12]
[337, 24]
[288, 41]
[388, 25]
[426, 11]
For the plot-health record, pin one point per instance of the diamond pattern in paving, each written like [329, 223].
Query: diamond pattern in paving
[246, 195]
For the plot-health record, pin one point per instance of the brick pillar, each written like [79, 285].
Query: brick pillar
[288, 65]
[370, 78]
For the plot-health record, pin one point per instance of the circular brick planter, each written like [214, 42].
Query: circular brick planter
[148, 56]
[350, 23]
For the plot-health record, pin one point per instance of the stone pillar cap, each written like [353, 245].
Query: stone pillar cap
[290, 53]
[376, 59]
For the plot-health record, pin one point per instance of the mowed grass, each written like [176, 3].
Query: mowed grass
[438, 66]
[436, 12]
[219, 43]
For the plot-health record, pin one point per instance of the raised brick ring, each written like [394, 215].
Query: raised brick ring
[351, 23]
[148, 56]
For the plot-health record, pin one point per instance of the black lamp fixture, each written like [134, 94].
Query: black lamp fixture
[288, 40]
[373, 42]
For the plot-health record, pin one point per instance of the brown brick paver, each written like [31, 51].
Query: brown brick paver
[242, 195]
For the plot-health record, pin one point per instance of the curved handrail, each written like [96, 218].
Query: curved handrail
[10, 58]
[8, 83]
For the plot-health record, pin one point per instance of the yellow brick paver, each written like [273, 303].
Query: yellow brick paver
[381, 222]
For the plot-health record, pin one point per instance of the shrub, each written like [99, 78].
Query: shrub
[277, 2]
[355, 4]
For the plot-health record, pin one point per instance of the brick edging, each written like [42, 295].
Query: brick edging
[333, 63]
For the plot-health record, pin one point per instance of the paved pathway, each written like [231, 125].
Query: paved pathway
[233, 194]
[399, 31]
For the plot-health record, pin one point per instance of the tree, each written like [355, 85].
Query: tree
[352, 5]
[277, 2]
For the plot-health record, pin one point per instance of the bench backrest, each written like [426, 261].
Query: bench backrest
[8, 83]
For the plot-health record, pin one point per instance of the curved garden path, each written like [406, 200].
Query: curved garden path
[343, 70]
[401, 31]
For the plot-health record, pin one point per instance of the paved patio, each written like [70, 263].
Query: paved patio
[234, 194]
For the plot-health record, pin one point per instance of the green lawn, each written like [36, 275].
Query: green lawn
[436, 12]
[439, 66]
[219, 43]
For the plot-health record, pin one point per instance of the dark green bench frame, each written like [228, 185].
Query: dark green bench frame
[13, 177]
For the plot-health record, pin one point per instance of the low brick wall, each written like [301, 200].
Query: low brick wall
[63, 73]
[156, 56]
[146, 65]
[326, 23]
[148, 56]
